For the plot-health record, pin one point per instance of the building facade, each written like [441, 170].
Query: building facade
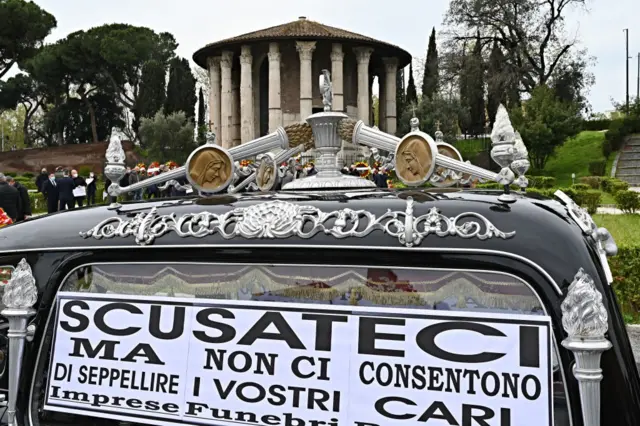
[270, 78]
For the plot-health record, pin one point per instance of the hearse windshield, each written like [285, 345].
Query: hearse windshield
[296, 345]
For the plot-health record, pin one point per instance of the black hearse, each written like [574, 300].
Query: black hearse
[326, 303]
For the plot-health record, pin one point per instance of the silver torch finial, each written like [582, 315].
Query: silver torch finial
[503, 152]
[584, 318]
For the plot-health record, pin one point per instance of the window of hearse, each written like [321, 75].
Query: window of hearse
[297, 345]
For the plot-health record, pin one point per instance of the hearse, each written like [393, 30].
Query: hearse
[323, 301]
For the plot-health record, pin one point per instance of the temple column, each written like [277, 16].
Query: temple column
[247, 125]
[391, 69]
[235, 106]
[382, 104]
[337, 79]
[226, 112]
[363, 54]
[305, 49]
[213, 64]
[275, 105]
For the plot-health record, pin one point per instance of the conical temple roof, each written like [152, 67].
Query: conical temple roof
[301, 29]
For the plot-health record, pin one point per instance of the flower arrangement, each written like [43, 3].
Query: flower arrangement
[171, 165]
[309, 164]
[141, 166]
[154, 165]
[363, 168]
[246, 163]
[5, 275]
[4, 219]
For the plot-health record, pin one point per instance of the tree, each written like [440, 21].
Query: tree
[168, 137]
[530, 32]
[22, 90]
[496, 83]
[12, 122]
[202, 127]
[430, 77]
[181, 89]
[152, 93]
[430, 110]
[475, 78]
[545, 122]
[412, 94]
[23, 27]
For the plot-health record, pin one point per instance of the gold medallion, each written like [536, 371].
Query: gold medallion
[267, 174]
[210, 168]
[415, 158]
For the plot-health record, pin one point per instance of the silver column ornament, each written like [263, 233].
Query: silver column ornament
[503, 152]
[115, 169]
[585, 320]
[20, 295]
[520, 164]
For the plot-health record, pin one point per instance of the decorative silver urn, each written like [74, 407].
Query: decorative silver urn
[520, 164]
[115, 169]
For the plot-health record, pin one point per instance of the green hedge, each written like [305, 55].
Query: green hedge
[618, 131]
[595, 125]
[625, 267]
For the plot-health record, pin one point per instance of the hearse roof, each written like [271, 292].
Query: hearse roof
[531, 229]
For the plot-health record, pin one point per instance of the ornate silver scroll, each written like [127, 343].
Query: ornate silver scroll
[520, 163]
[20, 295]
[605, 243]
[584, 318]
[326, 90]
[281, 219]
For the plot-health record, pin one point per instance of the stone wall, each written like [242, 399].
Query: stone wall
[68, 156]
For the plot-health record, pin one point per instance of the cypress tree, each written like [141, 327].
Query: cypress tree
[496, 78]
[476, 90]
[152, 92]
[400, 95]
[430, 79]
[412, 94]
[202, 128]
[181, 90]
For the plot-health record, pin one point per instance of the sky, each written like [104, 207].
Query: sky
[405, 23]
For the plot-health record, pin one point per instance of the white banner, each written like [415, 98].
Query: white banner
[161, 360]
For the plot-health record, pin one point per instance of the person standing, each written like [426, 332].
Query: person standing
[51, 193]
[135, 178]
[24, 212]
[66, 185]
[9, 199]
[80, 191]
[42, 178]
[91, 189]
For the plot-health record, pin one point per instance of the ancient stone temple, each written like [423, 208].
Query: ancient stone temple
[270, 78]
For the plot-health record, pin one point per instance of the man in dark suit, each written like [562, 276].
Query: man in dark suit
[9, 198]
[25, 203]
[50, 191]
[66, 185]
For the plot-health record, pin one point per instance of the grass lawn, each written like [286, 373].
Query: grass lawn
[625, 228]
[574, 156]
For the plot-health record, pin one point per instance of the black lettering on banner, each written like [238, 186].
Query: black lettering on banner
[380, 407]
[529, 346]
[83, 321]
[367, 336]
[103, 310]
[107, 347]
[365, 424]
[270, 420]
[227, 332]
[195, 408]
[62, 372]
[537, 387]
[177, 327]
[324, 328]
[438, 410]
[143, 350]
[322, 375]
[468, 418]
[426, 340]
[285, 332]
[265, 363]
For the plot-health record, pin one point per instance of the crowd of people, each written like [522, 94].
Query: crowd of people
[14, 200]
[140, 173]
[66, 190]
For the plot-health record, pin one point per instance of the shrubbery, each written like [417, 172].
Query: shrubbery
[596, 125]
[628, 201]
[625, 267]
[598, 168]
